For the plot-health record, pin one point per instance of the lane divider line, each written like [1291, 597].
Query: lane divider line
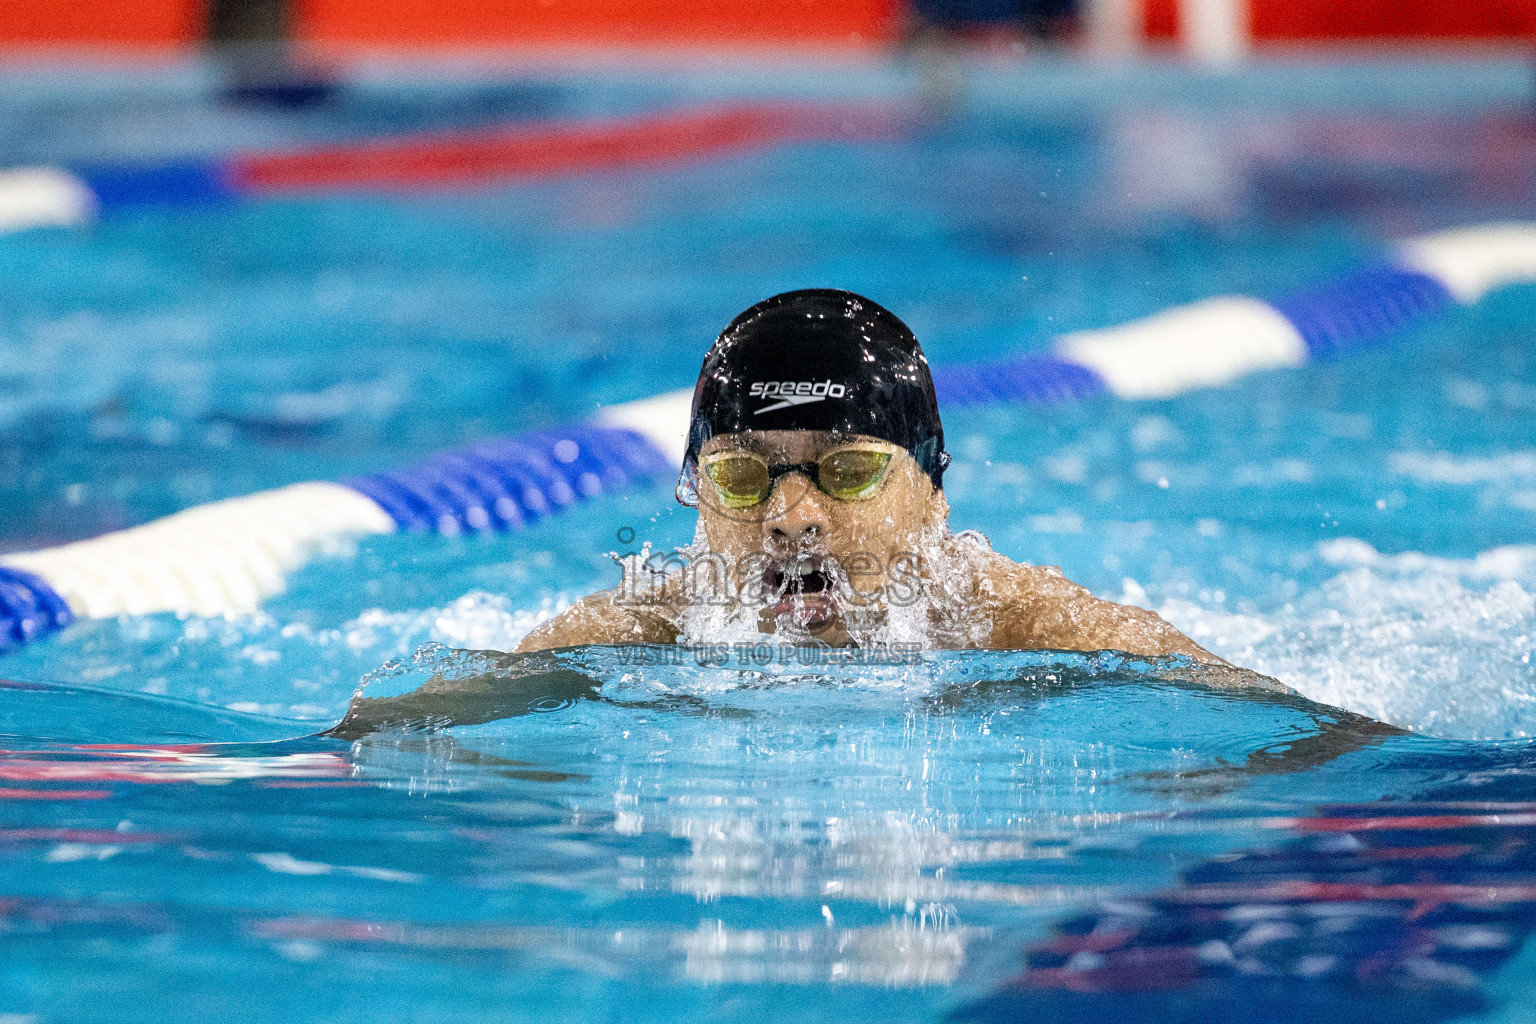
[1202, 345]
[561, 149]
[226, 557]
[511, 482]
[214, 559]
[37, 197]
[29, 608]
[51, 196]
[1217, 340]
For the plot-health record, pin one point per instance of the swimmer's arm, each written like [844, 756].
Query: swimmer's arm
[1037, 607]
[602, 618]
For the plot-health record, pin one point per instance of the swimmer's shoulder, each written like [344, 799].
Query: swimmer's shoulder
[999, 579]
[1036, 606]
[606, 617]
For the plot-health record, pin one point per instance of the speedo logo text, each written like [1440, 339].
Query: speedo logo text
[795, 392]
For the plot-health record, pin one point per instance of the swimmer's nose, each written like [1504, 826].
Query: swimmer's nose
[802, 519]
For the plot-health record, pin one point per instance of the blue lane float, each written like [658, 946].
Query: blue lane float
[226, 557]
[1363, 308]
[177, 183]
[508, 483]
[29, 608]
[1037, 379]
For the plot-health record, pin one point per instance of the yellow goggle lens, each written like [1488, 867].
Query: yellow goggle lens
[853, 474]
[743, 479]
[739, 480]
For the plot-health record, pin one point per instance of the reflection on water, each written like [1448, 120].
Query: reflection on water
[899, 954]
[1401, 911]
[870, 842]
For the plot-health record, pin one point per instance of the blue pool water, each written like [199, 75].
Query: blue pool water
[720, 842]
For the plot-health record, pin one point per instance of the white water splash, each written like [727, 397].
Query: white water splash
[1438, 645]
[1440, 468]
[940, 615]
[710, 617]
[478, 621]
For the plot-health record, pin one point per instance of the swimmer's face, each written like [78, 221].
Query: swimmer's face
[870, 523]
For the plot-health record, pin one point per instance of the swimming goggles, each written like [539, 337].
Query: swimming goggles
[851, 472]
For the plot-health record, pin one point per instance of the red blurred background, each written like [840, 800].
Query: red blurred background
[395, 23]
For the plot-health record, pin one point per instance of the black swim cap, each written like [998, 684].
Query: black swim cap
[819, 359]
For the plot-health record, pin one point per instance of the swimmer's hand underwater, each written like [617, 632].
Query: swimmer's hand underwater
[816, 459]
[475, 687]
[478, 687]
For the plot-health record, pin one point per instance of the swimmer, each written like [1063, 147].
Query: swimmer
[816, 459]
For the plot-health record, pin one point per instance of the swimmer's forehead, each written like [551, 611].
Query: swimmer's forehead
[787, 445]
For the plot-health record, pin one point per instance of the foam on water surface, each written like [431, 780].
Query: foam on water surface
[1438, 645]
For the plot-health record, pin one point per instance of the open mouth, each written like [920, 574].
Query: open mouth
[805, 591]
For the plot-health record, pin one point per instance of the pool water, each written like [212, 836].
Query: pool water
[976, 837]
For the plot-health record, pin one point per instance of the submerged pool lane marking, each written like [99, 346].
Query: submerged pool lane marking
[226, 557]
[1375, 909]
[50, 196]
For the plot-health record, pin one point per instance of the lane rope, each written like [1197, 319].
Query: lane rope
[53, 196]
[226, 557]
